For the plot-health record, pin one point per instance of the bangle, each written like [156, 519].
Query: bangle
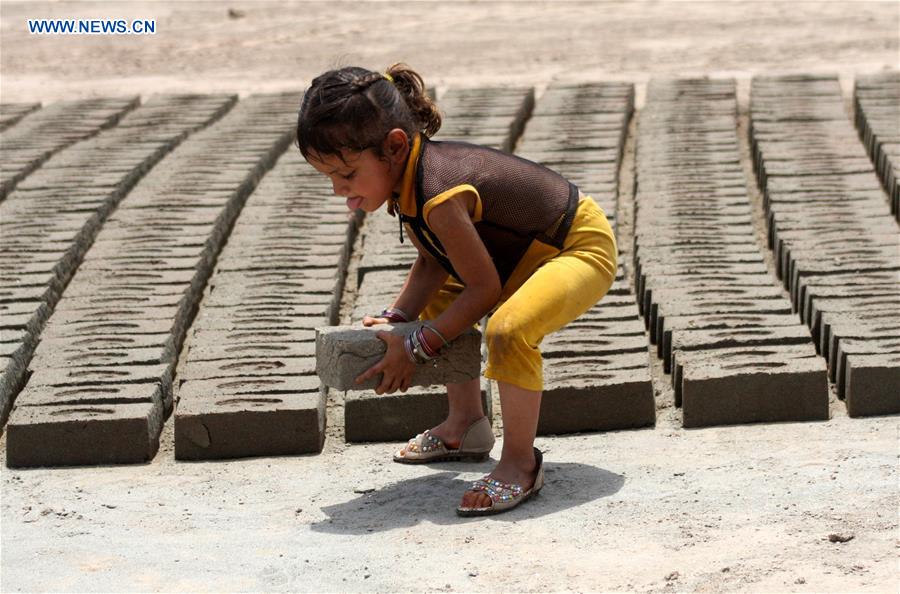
[416, 351]
[430, 326]
[420, 336]
[408, 347]
[392, 314]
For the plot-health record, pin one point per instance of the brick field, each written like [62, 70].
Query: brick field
[169, 261]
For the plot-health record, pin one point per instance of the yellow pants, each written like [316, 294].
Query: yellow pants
[559, 290]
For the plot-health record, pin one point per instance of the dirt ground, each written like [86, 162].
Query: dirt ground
[745, 508]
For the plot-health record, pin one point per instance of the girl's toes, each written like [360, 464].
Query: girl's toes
[473, 499]
[483, 500]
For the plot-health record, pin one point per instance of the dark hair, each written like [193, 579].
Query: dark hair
[354, 108]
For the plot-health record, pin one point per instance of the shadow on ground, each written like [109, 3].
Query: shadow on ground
[434, 498]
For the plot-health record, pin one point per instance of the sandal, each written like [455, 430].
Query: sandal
[476, 444]
[504, 496]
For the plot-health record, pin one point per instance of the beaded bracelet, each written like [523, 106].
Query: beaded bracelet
[392, 314]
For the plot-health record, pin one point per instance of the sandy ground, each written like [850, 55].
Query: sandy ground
[746, 508]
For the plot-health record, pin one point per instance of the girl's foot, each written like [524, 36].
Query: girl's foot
[452, 433]
[520, 471]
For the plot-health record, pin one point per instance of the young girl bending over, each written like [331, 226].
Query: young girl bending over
[496, 234]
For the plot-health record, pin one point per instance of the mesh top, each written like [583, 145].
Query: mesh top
[516, 194]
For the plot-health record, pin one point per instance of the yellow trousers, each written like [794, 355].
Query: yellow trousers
[560, 289]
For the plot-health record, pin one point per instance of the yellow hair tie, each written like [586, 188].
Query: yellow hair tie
[388, 77]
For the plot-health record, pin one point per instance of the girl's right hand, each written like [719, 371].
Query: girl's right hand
[371, 321]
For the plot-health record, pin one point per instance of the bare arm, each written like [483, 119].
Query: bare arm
[453, 226]
[424, 279]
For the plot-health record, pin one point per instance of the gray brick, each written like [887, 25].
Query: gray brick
[344, 352]
[872, 384]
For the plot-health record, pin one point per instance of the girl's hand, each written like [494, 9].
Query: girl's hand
[373, 321]
[396, 366]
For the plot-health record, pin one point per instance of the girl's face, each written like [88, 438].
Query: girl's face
[363, 178]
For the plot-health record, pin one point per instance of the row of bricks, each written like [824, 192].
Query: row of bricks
[834, 239]
[38, 136]
[877, 102]
[248, 386]
[725, 332]
[11, 113]
[577, 164]
[50, 220]
[596, 369]
[175, 221]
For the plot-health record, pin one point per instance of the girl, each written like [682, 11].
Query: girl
[495, 234]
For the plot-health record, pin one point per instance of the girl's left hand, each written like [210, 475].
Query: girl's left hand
[396, 366]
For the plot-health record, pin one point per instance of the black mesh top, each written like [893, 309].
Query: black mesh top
[515, 193]
[521, 201]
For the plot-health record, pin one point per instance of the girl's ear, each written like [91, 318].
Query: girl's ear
[396, 145]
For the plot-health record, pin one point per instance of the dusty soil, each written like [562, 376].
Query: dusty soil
[747, 508]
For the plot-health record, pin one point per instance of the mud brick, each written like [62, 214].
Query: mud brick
[712, 279]
[691, 241]
[685, 258]
[872, 384]
[294, 258]
[253, 416]
[597, 394]
[823, 286]
[717, 392]
[102, 342]
[663, 296]
[737, 321]
[766, 355]
[881, 345]
[836, 327]
[80, 434]
[248, 366]
[833, 245]
[10, 340]
[890, 303]
[257, 317]
[574, 341]
[851, 261]
[52, 390]
[239, 284]
[30, 322]
[399, 416]
[210, 351]
[100, 375]
[206, 335]
[11, 113]
[851, 292]
[710, 340]
[57, 354]
[343, 353]
[397, 260]
[654, 268]
[85, 328]
[703, 307]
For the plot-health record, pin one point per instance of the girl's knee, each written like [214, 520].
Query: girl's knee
[505, 331]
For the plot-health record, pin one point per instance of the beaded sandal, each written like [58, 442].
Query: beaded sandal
[504, 496]
[476, 444]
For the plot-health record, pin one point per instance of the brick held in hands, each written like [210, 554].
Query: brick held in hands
[345, 352]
